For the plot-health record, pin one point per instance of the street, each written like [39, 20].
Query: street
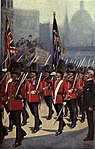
[45, 138]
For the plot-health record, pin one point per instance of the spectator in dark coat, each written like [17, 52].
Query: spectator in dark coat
[89, 102]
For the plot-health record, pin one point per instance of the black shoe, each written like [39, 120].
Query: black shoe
[24, 134]
[72, 126]
[69, 120]
[35, 130]
[65, 115]
[17, 144]
[58, 133]
[10, 129]
[82, 120]
[88, 139]
[76, 119]
[48, 118]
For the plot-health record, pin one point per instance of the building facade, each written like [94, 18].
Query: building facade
[26, 22]
[45, 39]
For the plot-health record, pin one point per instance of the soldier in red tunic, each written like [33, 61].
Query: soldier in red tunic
[15, 102]
[79, 88]
[3, 130]
[71, 95]
[32, 95]
[25, 114]
[59, 95]
[47, 90]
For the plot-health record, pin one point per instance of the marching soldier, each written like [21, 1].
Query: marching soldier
[47, 90]
[59, 95]
[32, 96]
[25, 114]
[79, 88]
[71, 95]
[3, 130]
[15, 102]
[89, 102]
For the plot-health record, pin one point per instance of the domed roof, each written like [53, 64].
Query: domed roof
[81, 27]
[82, 20]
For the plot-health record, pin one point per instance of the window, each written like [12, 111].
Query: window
[11, 3]
[3, 3]
[8, 4]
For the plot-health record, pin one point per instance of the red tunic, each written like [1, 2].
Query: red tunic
[47, 87]
[79, 85]
[30, 87]
[15, 104]
[67, 87]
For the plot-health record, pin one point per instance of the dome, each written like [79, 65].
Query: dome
[81, 26]
[82, 20]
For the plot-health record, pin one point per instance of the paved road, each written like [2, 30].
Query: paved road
[46, 139]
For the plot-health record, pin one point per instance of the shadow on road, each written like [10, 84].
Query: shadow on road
[67, 140]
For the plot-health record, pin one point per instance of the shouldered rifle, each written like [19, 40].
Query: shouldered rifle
[75, 79]
[42, 73]
[24, 77]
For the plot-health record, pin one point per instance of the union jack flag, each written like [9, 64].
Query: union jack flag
[10, 49]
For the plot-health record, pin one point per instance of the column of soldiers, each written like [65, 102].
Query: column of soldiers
[71, 88]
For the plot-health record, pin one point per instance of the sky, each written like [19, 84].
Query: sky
[47, 7]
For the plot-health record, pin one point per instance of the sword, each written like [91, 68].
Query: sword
[58, 114]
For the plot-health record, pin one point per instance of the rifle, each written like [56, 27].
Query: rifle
[23, 78]
[80, 64]
[29, 63]
[59, 114]
[75, 79]
[42, 73]
[24, 54]
[3, 78]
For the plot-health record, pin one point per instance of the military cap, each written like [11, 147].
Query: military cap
[34, 67]
[61, 67]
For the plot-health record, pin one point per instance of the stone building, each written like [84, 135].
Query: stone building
[26, 22]
[45, 39]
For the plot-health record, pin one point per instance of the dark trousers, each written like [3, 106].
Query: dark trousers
[10, 122]
[16, 118]
[10, 118]
[48, 100]
[58, 107]
[3, 130]
[72, 107]
[80, 104]
[90, 121]
[34, 110]
[1, 127]
[25, 115]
